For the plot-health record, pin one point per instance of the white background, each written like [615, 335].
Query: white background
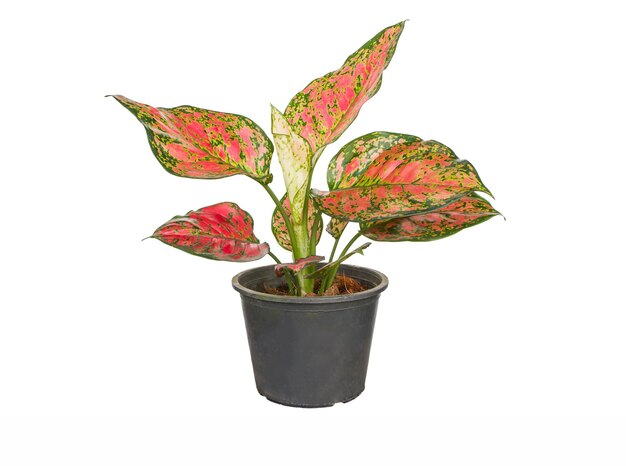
[503, 345]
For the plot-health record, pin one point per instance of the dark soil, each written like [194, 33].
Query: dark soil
[342, 285]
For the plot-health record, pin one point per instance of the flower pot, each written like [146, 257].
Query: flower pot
[309, 352]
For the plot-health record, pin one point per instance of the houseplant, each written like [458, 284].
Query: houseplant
[310, 324]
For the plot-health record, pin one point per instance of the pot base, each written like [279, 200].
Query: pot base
[295, 405]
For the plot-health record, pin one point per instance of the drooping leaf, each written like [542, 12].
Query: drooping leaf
[335, 227]
[333, 265]
[294, 155]
[196, 143]
[280, 229]
[298, 265]
[428, 226]
[323, 110]
[386, 175]
[221, 232]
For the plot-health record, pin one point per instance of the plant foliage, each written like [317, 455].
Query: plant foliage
[395, 187]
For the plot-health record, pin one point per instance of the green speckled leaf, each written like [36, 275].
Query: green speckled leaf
[196, 143]
[335, 227]
[428, 226]
[387, 175]
[323, 110]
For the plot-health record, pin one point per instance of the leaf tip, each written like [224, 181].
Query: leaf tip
[485, 189]
[365, 246]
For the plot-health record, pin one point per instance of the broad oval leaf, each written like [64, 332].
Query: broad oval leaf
[294, 155]
[221, 232]
[323, 110]
[279, 229]
[386, 175]
[428, 226]
[335, 227]
[298, 265]
[196, 143]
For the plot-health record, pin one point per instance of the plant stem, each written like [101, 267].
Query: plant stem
[274, 257]
[299, 242]
[313, 239]
[281, 209]
[330, 276]
[307, 197]
[305, 208]
[332, 253]
[350, 243]
[308, 242]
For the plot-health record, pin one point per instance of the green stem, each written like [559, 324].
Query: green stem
[330, 276]
[307, 244]
[350, 243]
[305, 210]
[324, 286]
[313, 239]
[332, 253]
[274, 257]
[281, 209]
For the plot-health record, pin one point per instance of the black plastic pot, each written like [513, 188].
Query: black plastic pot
[309, 352]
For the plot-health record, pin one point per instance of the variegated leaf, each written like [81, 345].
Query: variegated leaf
[335, 227]
[196, 143]
[221, 232]
[327, 106]
[280, 229]
[298, 265]
[428, 226]
[294, 155]
[386, 175]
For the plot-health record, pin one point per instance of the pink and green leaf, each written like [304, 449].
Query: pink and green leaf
[298, 265]
[386, 175]
[279, 229]
[323, 110]
[468, 211]
[335, 227]
[196, 143]
[294, 155]
[221, 232]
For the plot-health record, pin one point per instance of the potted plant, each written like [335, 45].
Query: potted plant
[310, 323]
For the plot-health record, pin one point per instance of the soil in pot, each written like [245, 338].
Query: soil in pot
[342, 285]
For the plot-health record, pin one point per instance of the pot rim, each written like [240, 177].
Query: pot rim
[342, 298]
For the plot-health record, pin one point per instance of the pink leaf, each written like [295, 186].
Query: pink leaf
[386, 175]
[436, 224]
[197, 143]
[326, 107]
[298, 265]
[221, 232]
